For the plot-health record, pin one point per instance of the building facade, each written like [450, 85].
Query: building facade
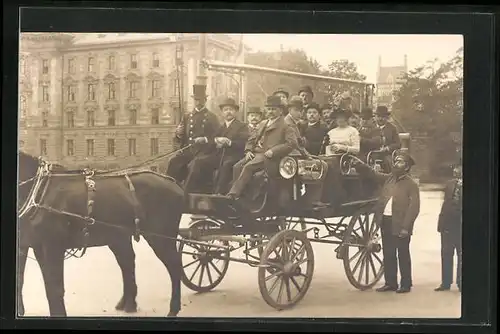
[110, 100]
[389, 79]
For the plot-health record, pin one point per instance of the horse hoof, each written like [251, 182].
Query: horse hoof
[121, 305]
[130, 308]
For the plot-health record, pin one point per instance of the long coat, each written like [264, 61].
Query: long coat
[405, 198]
[390, 136]
[279, 137]
[238, 133]
[450, 217]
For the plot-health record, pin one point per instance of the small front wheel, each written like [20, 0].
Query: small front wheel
[286, 269]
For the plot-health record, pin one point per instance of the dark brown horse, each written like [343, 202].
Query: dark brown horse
[56, 224]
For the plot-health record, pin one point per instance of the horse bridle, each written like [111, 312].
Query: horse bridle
[30, 202]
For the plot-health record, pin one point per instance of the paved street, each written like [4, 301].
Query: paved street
[94, 285]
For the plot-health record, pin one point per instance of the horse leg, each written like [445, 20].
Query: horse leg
[22, 256]
[51, 261]
[166, 251]
[125, 256]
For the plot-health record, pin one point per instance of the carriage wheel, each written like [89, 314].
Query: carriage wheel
[286, 271]
[203, 267]
[361, 251]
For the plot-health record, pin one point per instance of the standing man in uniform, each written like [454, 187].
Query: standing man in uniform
[254, 117]
[230, 143]
[396, 210]
[369, 133]
[197, 128]
[450, 227]
[315, 131]
[388, 132]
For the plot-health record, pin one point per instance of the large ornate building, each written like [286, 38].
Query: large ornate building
[110, 100]
[389, 79]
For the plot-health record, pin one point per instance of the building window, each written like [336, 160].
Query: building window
[133, 61]
[154, 146]
[131, 146]
[70, 117]
[111, 147]
[155, 116]
[45, 93]
[71, 66]
[111, 91]
[156, 59]
[91, 92]
[111, 63]
[133, 88]
[111, 118]
[155, 91]
[45, 66]
[43, 146]
[90, 118]
[71, 93]
[91, 64]
[133, 117]
[23, 106]
[45, 119]
[70, 147]
[90, 147]
[154, 168]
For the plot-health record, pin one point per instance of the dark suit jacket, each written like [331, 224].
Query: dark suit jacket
[450, 217]
[238, 133]
[315, 135]
[280, 138]
[370, 139]
[390, 133]
[201, 123]
[405, 198]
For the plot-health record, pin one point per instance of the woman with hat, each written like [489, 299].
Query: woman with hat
[342, 139]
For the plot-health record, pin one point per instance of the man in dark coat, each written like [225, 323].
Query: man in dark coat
[283, 95]
[273, 140]
[396, 210]
[388, 132]
[327, 115]
[450, 227]
[307, 95]
[197, 128]
[369, 133]
[230, 143]
[293, 120]
[254, 117]
[315, 130]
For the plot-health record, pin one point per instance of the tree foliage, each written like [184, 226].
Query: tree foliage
[430, 104]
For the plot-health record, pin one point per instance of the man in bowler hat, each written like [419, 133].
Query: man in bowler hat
[315, 130]
[273, 140]
[450, 228]
[369, 133]
[396, 210]
[254, 117]
[198, 129]
[307, 95]
[388, 133]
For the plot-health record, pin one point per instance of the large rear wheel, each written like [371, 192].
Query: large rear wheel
[361, 251]
[203, 266]
[286, 269]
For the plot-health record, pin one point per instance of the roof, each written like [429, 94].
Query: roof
[397, 72]
[103, 38]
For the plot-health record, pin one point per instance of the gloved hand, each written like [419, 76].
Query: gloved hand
[200, 140]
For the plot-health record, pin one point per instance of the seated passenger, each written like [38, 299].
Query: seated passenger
[389, 134]
[315, 130]
[293, 119]
[230, 142]
[273, 140]
[342, 139]
[369, 134]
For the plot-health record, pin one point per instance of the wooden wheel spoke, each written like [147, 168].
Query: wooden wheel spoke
[302, 261]
[358, 263]
[359, 252]
[378, 258]
[195, 271]
[372, 265]
[361, 269]
[200, 280]
[275, 274]
[297, 286]
[288, 291]
[284, 251]
[367, 268]
[280, 291]
[275, 284]
[300, 251]
[291, 248]
[209, 274]
[190, 263]
[361, 225]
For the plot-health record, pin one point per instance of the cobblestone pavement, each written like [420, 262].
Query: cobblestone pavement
[94, 286]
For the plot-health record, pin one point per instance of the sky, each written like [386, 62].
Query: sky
[362, 49]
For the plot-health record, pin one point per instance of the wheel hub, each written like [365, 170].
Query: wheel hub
[374, 247]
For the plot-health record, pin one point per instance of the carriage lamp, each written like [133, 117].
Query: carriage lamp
[288, 167]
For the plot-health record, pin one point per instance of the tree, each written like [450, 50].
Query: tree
[345, 69]
[430, 104]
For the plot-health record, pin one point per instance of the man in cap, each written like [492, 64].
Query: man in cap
[369, 133]
[254, 117]
[273, 140]
[283, 95]
[197, 128]
[327, 114]
[388, 132]
[396, 210]
[315, 130]
[354, 119]
[307, 95]
[450, 228]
